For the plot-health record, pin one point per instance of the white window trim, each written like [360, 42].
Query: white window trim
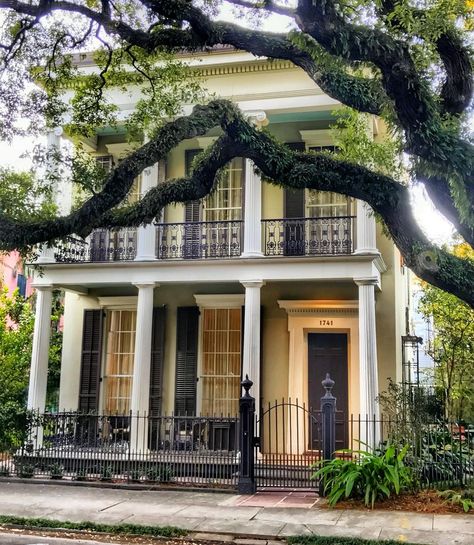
[230, 300]
[126, 302]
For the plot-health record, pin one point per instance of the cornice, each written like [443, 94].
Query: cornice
[306, 307]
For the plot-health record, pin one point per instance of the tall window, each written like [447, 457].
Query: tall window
[323, 204]
[221, 357]
[225, 203]
[120, 353]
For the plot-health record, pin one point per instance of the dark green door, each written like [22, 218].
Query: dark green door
[327, 353]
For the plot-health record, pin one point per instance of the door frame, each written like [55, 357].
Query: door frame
[307, 317]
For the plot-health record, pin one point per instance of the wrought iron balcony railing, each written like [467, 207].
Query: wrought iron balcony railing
[103, 245]
[216, 239]
[199, 240]
[309, 236]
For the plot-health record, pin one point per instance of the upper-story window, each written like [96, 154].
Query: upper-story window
[225, 203]
[324, 204]
[107, 163]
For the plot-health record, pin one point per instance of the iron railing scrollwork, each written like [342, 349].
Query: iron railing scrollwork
[309, 236]
[199, 240]
[103, 245]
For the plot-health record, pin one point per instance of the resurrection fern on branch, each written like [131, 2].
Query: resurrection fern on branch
[408, 64]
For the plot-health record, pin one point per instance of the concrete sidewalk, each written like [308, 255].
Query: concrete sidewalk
[267, 514]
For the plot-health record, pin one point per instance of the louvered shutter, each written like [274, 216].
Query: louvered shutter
[186, 360]
[157, 357]
[90, 360]
[294, 208]
[192, 214]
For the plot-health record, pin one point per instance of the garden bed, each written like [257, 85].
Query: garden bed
[425, 501]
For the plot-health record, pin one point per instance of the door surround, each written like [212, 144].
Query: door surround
[321, 316]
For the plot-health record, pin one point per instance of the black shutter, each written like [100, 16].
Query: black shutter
[186, 360]
[90, 360]
[157, 357]
[192, 214]
[294, 208]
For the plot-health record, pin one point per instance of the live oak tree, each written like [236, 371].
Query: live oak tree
[452, 347]
[407, 61]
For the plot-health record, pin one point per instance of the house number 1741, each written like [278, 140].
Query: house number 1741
[325, 322]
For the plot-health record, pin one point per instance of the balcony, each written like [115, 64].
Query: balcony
[199, 240]
[309, 236]
[215, 240]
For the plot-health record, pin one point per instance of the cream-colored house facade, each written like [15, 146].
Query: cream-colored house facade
[283, 286]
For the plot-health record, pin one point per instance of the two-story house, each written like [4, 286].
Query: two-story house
[282, 285]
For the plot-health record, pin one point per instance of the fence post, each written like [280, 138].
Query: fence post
[246, 484]
[328, 412]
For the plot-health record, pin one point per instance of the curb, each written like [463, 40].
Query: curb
[227, 537]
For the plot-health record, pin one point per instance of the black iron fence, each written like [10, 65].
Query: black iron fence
[309, 236]
[148, 449]
[277, 448]
[199, 240]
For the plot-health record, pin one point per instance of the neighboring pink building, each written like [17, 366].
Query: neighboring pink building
[13, 275]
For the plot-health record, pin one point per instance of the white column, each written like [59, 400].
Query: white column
[252, 212]
[368, 371]
[146, 235]
[40, 349]
[141, 367]
[251, 356]
[46, 255]
[365, 222]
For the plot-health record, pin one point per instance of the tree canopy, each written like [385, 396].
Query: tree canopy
[409, 62]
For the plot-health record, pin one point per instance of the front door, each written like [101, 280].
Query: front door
[327, 353]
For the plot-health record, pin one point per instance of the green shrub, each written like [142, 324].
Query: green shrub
[166, 474]
[367, 476]
[57, 471]
[464, 498]
[153, 474]
[26, 471]
[135, 474]
[106, 473]
[159, 474]
[80, 475]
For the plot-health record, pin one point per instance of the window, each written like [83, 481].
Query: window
[21, 284]
[323, 204]
[221, 361]
[119, 357]
[225, 204]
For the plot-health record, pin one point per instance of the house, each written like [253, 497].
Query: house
[13, 274]
[281, 285]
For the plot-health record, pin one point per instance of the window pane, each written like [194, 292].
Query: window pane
[119, 360]
[220, 377]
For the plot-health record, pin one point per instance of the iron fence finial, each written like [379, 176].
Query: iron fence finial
[246, 385]
[328, 385]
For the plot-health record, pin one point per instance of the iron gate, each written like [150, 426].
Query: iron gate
[288, 445]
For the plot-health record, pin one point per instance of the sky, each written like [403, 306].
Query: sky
[436, 227]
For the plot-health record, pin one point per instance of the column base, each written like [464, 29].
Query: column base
[366, 251]
[146, 258]
[252, 254]
[246, 486]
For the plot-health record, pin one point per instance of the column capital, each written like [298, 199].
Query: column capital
[257, 118]
[43, 287]
[252, 283]
[142, 285]
[366, 281]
